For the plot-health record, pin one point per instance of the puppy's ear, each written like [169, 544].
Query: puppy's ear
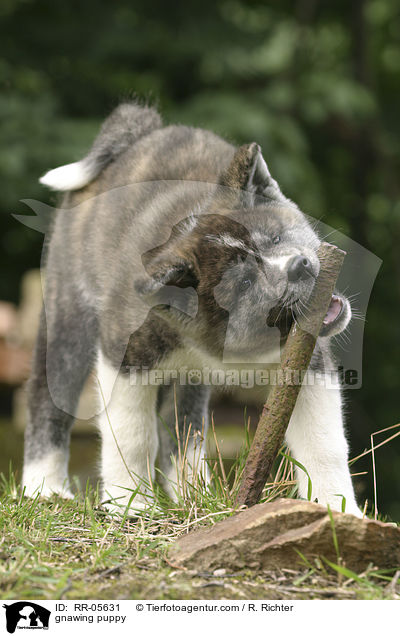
[248, 171]
[163, 274]
[170, 285]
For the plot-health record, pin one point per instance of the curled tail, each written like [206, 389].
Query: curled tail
[126, 124]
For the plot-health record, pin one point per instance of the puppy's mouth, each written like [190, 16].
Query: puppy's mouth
[335, 310]
[337, 317]
[334, 321]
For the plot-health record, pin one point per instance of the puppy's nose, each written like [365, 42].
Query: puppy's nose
[300, 268]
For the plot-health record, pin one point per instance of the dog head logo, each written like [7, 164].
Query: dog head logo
[26, 615]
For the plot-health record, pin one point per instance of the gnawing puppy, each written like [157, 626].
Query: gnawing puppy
[173, 250]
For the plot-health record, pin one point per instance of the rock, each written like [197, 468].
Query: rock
[219, 572]
[268, 535]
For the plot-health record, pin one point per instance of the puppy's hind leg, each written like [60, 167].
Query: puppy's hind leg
[183, 412]
[61, 363]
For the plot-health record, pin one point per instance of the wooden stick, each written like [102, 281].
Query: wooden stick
[295, 359]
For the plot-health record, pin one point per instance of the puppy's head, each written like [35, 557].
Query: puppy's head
[234, 277]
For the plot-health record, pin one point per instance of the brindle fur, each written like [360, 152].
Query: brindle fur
[148, 229]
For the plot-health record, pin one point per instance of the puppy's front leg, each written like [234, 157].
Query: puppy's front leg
[129, 440]
[316, 439]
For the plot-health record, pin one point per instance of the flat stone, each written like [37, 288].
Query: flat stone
[270, 536]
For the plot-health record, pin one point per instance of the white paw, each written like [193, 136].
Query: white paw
[135, 509]
[117, 504]
[350, 507]
[46, 491]
[47, 476]
[354, 510]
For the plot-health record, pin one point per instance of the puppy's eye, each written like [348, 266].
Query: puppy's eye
[245, 284]
[276, 239]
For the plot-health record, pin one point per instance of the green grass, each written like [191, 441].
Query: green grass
[54, 549]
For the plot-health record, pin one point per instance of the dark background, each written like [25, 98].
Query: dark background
[315, 83]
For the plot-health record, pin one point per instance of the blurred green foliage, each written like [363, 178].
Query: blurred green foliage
[315, 83]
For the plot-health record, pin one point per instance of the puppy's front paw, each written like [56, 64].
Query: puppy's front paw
[117, 504]
[46, 491]
[354, 510]
[336, 503]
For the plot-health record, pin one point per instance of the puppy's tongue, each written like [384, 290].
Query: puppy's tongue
[334, 309]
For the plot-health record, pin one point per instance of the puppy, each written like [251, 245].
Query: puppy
[172, 250]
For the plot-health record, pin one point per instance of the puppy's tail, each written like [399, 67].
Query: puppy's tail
[126, 124]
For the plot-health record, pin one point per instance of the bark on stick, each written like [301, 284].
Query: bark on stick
[281, 401]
